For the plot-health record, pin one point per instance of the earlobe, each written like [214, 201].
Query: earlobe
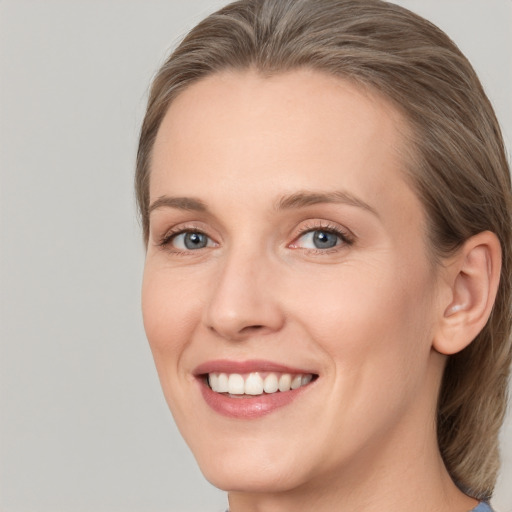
[473, 278]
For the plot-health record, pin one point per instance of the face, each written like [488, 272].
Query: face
[288, 298]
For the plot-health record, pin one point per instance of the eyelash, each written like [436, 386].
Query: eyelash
[347, 239]
[166, 239]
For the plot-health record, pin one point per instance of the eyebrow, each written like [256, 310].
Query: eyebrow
[180, 203]
[303, 199]
[296, 200]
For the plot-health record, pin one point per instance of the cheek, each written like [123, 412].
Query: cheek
[374, 317]
[169, 310]
[375, 331]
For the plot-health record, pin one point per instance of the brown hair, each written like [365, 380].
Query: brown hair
[459, 168]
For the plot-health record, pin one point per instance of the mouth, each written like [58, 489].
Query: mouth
[251, 389]
[236, 385]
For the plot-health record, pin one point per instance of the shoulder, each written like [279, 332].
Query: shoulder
[482, 507]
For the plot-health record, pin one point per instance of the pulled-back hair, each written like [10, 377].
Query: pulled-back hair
[457, 164]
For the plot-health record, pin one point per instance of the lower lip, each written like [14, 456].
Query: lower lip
[249, 408]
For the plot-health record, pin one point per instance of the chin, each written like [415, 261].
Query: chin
[250, 476]
[264, 468]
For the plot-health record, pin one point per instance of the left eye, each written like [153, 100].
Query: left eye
[191, 240]
[318, 239]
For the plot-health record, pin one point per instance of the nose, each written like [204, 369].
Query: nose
[244, 302]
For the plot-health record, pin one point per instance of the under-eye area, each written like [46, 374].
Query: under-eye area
[256, 383]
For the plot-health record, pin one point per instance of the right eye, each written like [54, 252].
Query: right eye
[189, 241]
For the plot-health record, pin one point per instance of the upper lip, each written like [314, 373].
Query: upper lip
[254, 365]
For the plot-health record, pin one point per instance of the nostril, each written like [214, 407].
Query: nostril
[243, 332]
[250, 328]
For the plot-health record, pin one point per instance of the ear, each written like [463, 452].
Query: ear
[472, 278]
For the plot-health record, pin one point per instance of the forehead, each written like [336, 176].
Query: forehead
[301, 129]
[300, 103]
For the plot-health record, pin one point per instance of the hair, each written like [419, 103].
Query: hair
[459, 169]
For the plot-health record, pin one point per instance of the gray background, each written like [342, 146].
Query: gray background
[84, 426]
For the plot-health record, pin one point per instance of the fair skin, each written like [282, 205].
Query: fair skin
[282, 230]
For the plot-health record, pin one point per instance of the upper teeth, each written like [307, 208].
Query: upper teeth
[255, 383]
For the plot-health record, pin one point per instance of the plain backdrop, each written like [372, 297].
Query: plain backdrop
[84, 426]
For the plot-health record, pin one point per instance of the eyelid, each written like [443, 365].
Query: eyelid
[346, 236]
[187, 227]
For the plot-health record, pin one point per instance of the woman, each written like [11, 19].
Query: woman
[326, 204]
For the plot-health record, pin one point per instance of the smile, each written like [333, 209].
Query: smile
[256, 383]
[247, 390]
